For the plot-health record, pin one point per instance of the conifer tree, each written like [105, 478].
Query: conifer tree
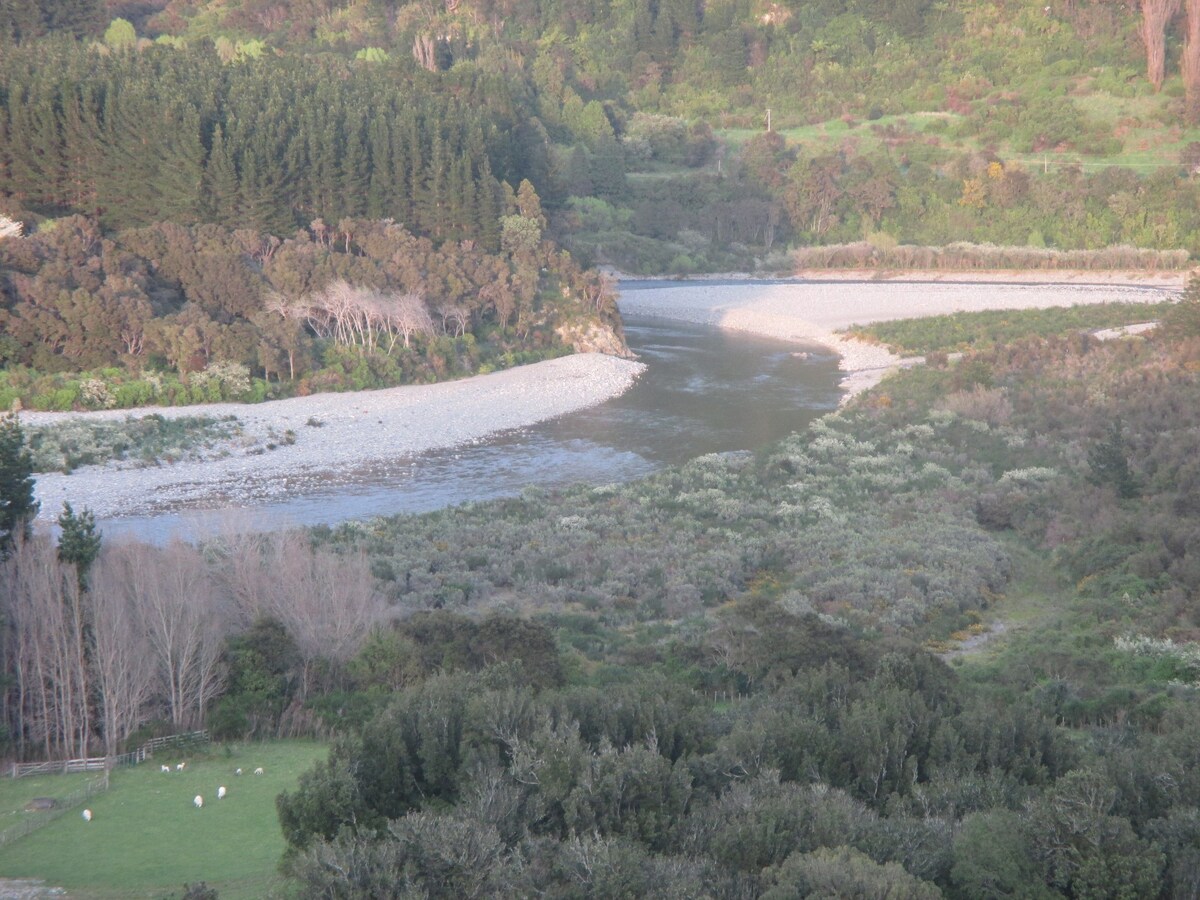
[1109, 463]
[220, 181]
[17, 506]
[79, 542]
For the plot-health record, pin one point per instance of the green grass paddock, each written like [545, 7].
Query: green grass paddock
[146, 839]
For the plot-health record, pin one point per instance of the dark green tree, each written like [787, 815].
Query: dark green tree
[1109, 462]
[79, 542]
[17, 506]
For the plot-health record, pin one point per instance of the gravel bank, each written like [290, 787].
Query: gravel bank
[355, 431]
[816, 311]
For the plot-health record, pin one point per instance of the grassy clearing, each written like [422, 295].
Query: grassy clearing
[979, 330]
[823, 137]
[1033, 602]
[1150, 137]
[147, 839]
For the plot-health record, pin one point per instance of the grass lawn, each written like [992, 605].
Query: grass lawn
[147, 839]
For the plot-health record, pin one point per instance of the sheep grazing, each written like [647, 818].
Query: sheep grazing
[179, 768]
[258, 771]
[166, 769]
[87, 815]
[221, 792]
[238, 772]
[198, 802]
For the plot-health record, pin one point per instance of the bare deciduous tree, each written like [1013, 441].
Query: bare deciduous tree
[9, 228]
[327, 601]
[122, 661]
[179, 606]
[362, 317]
[48, 625]
[456, 314]
[405, 315]
[1156, 14]
[1191, 62]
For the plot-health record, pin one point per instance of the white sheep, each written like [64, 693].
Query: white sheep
[258, 771]
[238, 772]
[221, 792]
[198, 802]
[166, 769]
[179, 768]
[87, 815]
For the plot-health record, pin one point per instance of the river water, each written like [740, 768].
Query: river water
[704, 391]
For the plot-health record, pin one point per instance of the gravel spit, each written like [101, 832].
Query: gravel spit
[334, 433]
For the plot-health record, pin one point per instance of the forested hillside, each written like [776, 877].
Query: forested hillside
[669, 136]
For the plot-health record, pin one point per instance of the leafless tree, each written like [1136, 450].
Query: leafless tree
[327, 601]
[405, 315]
[9, 228]
[425, 51]
[1156, 15]
[122, 660]
[48, 627]
[362, 317]
[176, 598]
[1191, 61]
[456, 314]
[244, 576]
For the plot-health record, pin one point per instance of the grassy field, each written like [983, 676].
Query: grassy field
[146, 838]
[1150, 136]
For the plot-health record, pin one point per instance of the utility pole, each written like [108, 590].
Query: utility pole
[768, 119]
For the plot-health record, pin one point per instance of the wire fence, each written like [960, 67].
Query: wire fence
[33, 821]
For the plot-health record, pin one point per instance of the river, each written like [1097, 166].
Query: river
[705, 390]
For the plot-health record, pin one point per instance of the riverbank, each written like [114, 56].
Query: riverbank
[319, 439]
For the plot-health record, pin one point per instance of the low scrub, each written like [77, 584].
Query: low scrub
[962, 256]
[147, 440]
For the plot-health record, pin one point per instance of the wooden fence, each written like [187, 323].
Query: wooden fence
[191, 740]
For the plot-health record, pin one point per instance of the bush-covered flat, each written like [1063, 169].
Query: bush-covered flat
[145, 440]
[146, 838]
[983, 330]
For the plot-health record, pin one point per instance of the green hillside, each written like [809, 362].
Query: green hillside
[642, 126]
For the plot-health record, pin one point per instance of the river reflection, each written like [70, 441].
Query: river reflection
[704, 391]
